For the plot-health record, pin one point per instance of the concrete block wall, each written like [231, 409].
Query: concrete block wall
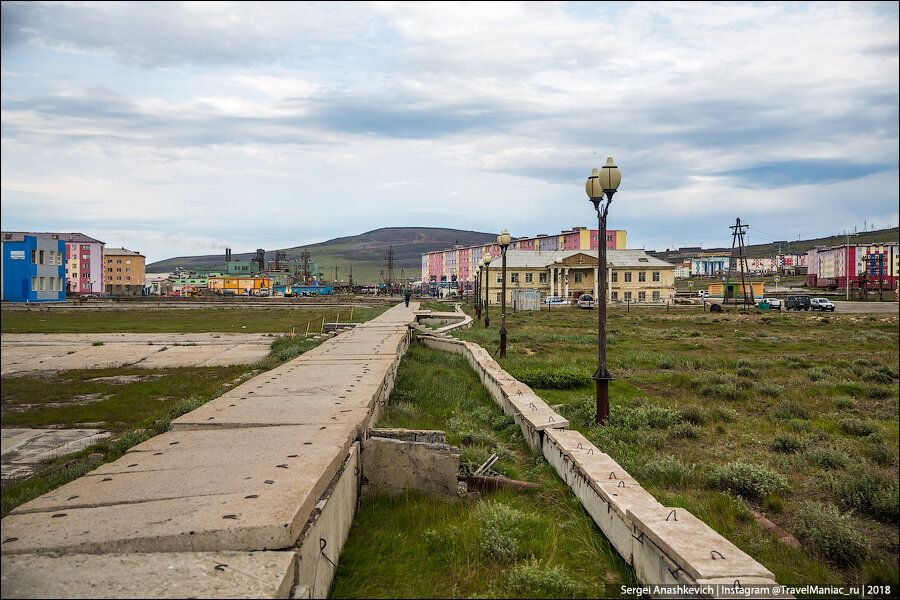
[666, 546]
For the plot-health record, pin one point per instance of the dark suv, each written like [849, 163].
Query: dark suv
[797, 303]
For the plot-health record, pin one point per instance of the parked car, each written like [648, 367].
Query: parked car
[774, 303]
[797, 303]
[554, 300]
[585, 301]
[822, 304]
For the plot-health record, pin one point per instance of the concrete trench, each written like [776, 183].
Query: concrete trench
[251, 495]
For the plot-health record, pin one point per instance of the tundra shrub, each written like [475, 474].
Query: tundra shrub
[828, 458]
[552, 378]
[831, 533]
[790, 410]
[534, 579]
[857, 427]
[503, 529]
[788, 444]
[869, 493]
[748, 480]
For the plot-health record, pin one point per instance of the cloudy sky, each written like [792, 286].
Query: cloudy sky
[182, 128]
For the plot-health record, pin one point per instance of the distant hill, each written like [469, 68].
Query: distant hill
[365, 253]
[793, 246]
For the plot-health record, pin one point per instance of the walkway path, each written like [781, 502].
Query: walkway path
[250, 495]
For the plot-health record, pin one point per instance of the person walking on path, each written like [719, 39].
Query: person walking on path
[406, 296]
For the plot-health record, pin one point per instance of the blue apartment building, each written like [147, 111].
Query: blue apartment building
[33, 268]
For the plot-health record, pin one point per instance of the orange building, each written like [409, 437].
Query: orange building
[123, 272]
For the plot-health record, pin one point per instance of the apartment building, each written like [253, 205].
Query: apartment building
[123, 272]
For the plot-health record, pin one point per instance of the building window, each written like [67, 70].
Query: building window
[579, 277]
[615, 295]
[615, 276]
[118, 269]
[628, 296]
[514, 278]
[128, 269]
[43, 283]
[656, 296]
[542, 278]
[642, 277]
[128, 278]
[41, 254]
[529, 277]
[119, 278]
[34, 283]
[642, 296]
[109, 269]
[628, 277]
[499, 277]
[85, 257]
[128, 261]
[656, 276]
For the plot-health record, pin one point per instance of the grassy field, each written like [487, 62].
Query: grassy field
[790, 415]
[135, 404]
[536, 544]
[234, 320]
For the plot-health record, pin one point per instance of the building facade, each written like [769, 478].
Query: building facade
[123, 272]
[459, 264]
[632, 275]
[874, 266]
[33, 268]
[238, 285]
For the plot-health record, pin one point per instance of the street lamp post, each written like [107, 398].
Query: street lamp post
[478, 292]
[603, 181]
[487, 289]
[503, 240]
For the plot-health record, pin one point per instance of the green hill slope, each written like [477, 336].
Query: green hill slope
[364, 253]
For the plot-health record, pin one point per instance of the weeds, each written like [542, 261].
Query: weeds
[748, 480]
[831, 533]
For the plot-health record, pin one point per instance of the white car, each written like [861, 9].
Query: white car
[585, 301]
[774, 303]
[822, 304]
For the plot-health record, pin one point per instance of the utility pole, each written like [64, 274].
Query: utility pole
[389, 261]
[335, 275]
[737, 240]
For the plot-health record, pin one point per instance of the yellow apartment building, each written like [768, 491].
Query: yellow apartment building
[123, 272]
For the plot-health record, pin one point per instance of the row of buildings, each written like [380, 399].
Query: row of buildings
[46, 267]
[563, 265]
[854, 266]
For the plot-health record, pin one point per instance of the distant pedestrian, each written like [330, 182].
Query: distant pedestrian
[406, 295]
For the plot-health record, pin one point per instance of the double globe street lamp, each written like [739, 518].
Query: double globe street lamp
[604, 181]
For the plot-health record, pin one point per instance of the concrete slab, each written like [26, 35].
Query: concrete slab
[160, 575]
[24, 450]
[693, 545]
[34, 352]
[266, 411]
[199, 490]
